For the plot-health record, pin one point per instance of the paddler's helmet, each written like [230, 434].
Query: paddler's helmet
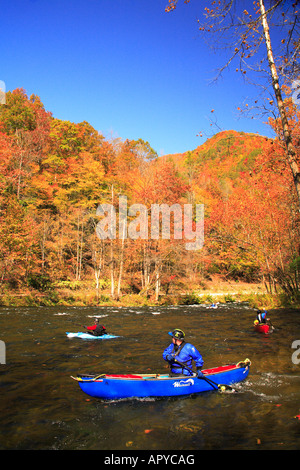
[256, 322]
[177, 334]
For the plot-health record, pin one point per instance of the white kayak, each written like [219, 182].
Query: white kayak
[88, 336]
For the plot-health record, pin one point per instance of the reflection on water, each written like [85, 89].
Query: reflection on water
[43, 408]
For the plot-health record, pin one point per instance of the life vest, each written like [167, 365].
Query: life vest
[186, 353]
[99, 330]
[177, 352]
[262, 317]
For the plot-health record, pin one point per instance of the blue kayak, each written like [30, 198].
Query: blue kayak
[118, 386]
[88, 336]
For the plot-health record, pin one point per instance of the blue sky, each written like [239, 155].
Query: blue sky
[125, 66]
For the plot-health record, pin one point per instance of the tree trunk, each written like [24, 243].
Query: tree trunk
[290, 151]
[98, 266]
[157, 281]
[121, 259]
[79, 248]
[112, 280]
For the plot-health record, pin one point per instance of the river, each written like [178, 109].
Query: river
[42, 407]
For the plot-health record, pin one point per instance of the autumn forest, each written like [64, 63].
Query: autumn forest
[54, 174]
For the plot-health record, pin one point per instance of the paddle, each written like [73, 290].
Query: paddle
[272, 326]
[216, 386]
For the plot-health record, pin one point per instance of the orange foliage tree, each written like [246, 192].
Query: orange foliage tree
[54, 174]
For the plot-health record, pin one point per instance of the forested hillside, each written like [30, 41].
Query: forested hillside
[54, 175]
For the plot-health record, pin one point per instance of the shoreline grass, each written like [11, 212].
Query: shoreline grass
[255, 295]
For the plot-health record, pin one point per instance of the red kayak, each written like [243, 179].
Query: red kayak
[262, 327]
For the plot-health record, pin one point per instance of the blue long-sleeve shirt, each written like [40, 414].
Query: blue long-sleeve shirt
[187, 354]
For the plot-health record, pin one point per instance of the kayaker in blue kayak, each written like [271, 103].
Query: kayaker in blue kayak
[96, 329]
[184, 353]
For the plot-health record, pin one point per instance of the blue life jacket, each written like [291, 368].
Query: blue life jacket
[185, 354]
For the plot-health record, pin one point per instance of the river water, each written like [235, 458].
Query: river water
[43, 408]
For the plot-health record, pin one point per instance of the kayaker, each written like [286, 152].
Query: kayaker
[96, 329]
[261, 316]
[183, 352]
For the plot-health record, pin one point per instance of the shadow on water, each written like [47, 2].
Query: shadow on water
[43, 408]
